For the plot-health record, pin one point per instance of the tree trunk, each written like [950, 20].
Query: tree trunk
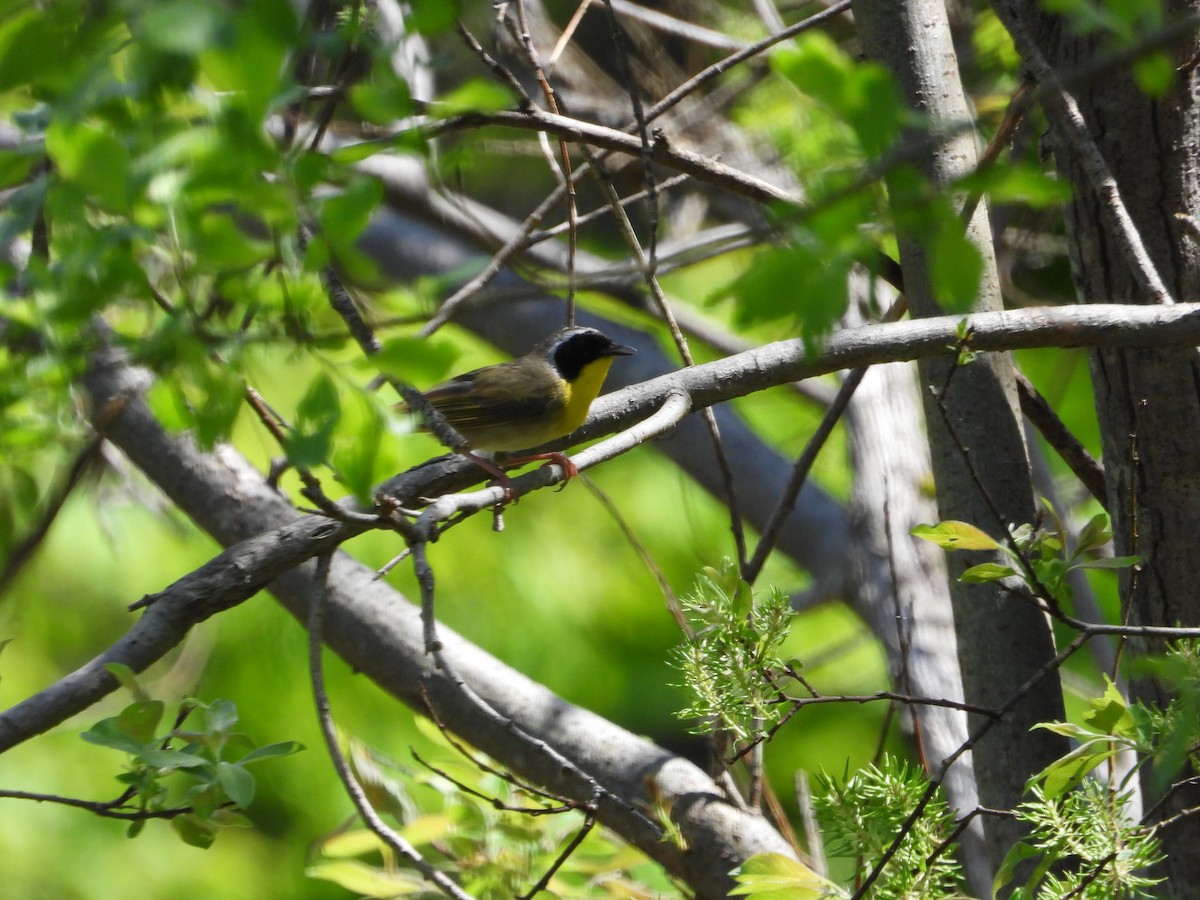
[898, 583]
[1146, 400]
[978, 449]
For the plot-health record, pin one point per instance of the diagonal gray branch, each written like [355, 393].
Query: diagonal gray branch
[266, 538]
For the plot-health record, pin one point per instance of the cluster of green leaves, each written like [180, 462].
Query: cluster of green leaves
[1087, 844]
[1082, 831]
[144, 186]
[1042, 557]
[1081, 828]
[862, 814]
[200, 772]
[496, 838]
[730, 662]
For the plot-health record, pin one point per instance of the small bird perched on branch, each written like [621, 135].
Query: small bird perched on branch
[527, 401]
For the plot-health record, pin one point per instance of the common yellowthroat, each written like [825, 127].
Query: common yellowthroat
[530, 400]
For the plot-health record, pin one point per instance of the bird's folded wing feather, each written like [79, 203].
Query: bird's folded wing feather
[463, 403]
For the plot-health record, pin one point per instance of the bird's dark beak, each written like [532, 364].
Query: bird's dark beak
[620, 350]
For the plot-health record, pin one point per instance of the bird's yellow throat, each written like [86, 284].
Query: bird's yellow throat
[582, 391]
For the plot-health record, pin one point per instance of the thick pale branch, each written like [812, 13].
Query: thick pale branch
[1094, 325]
[273, 546]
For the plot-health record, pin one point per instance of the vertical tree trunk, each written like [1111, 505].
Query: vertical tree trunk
[1002, 643]
[1147, 401]
[898, 584]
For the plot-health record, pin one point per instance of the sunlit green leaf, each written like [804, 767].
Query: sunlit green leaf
[93, 158]
[1110, 713]
[773, 874]
[985, 572]
[366, 880]
[185, 27]
[953, 535]
[1065, 773]
[477, 94]
[955, 267]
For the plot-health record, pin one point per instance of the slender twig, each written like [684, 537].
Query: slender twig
[589, 822]
[27, 546]
[808, 457]
[1069, 448]
[561, 170]
[402, 848]
[645, 263]
[798, 703]
[669, 597]
[104, 809]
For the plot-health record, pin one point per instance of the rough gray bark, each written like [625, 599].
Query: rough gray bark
[1002, 643]
[1147, 400]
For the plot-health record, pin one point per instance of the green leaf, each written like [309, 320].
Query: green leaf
[382, 100]
[1154, 74]
[766, 874]
[272, 751]
[237, 783]
[127, 678]
[1095, 534]
[862, 93]
[320, 401]
[220, 717]
[356, 460]
[343, 217]
[477, 94]
[955, 268]
[317, 415]
[194, 831]
[1019, 182]
[366, 880]
[416, 359]
[108, 733]
[985, 572]
[172, 759]
[349, 844]
[222, 394]
[140, 720]
[1067, 729]
[815, 294]
[92, 158]
[1064, 773]
[1018, 854]
[433, 18]
[1111, 562]
[1110, 713]
[185, 27]
[309, 449]
[954, 535]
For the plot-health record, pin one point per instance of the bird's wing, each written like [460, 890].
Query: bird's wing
[467, 404]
